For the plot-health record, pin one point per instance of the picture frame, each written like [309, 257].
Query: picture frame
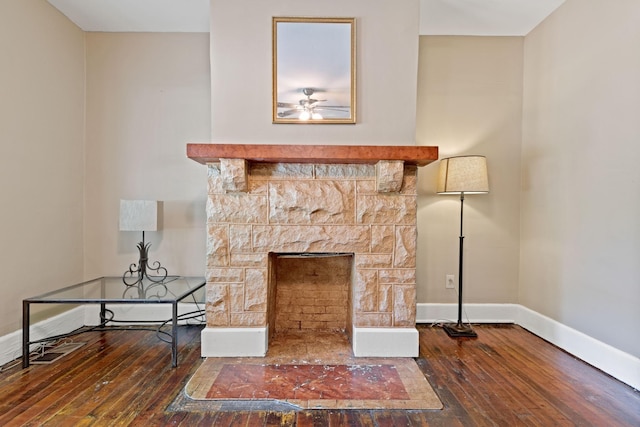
[314, 70]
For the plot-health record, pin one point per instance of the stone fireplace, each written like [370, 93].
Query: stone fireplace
[350, 211]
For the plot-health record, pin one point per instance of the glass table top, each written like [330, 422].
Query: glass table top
[113, 289]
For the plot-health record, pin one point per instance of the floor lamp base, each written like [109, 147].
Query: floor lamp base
[458, 330]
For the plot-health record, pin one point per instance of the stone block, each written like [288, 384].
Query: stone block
[405, 247]
[217, 304]
[404, 305]
[255, 290]
[311, 202]
[397, 276]
[217, 245]
[258, 187]
[389, 176]
[214, 318]
[374, 261]
[249, 260]
[366, 291]
[410, 183]
[385, 298]
[234, 175]
[327, 238]
[344, 171]
[382, 239]
[373, 320]
[276, 171]
[214, 179]
[236, 297]
[386, 209]
[248, 319]
[239, 238]
[366, 187]
[225, 275]
[238, 208]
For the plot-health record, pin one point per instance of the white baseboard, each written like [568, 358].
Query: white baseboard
[478, 313]
[11, 344]
[614, 362]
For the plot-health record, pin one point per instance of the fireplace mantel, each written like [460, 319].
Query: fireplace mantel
[325, 154]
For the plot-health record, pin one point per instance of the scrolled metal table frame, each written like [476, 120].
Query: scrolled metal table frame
[26, 323]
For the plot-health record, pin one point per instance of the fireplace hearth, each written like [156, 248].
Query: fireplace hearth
[270, 205]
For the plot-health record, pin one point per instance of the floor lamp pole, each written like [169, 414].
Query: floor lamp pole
[459, 329]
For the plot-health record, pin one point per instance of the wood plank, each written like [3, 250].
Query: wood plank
[323, 154]
[37, 404]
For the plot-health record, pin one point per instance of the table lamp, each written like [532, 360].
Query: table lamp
[141, 215]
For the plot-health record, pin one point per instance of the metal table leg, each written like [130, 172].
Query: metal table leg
[174, 335]
[25, 334]
[103, 314]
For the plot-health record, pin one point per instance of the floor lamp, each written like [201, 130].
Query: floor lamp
[462, 175]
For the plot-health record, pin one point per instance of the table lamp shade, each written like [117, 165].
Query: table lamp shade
[138, 215]
[463, 174]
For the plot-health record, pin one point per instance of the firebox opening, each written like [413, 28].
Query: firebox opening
[310, 292]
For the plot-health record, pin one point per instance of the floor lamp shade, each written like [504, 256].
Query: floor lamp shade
[463, 174]
[138, 215]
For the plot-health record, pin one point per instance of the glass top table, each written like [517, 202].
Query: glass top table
[113, 290]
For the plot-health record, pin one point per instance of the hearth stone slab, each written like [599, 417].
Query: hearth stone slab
[385, 342]
[254, 342]
[234, 342]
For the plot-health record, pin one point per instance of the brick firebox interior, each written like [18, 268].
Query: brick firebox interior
[312, 292]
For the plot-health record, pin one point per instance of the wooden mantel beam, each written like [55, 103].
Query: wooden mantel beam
[339, 154]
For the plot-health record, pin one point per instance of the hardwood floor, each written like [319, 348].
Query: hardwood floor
[506, 377]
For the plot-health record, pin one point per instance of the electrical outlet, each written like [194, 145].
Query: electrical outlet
[450, 282]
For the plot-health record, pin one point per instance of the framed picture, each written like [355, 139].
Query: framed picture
[314, 70]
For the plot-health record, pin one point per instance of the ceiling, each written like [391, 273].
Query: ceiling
[483, 17]
[437, 17]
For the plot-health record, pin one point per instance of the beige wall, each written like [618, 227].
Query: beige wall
[580, 248]
[575, 256]
[470, 102]
[386, 72]
[147, 96]
[41, 153]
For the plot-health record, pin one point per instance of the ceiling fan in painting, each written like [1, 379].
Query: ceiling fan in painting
[308, 108]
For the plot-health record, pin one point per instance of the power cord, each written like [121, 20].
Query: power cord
[441, 322]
